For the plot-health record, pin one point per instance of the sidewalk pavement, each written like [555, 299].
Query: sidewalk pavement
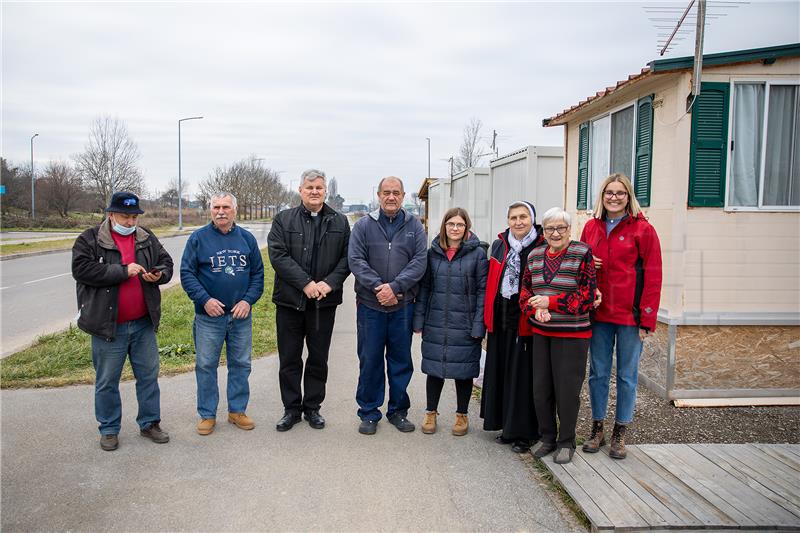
[55, 476]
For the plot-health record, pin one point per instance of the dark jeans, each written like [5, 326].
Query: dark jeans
[433, 389]
[559, 368]
[383, 336]
[316, 327]
[135, 340]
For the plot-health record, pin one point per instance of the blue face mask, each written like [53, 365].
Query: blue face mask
[122, 230]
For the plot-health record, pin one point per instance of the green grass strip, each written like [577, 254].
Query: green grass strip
[65, 358]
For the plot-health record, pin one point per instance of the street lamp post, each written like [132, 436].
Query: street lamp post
[429, 155]
[180, 187]
[33, 188]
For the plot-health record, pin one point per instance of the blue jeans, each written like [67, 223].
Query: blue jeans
[137, 340]
[629, 349]
[209, 334]
[382, 333]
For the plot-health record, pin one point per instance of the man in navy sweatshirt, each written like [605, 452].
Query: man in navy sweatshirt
[223, 274]
[388, 256]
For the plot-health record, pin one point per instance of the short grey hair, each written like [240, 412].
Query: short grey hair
[557, 214]
[390, 178]
[312, 174]
[220, 195]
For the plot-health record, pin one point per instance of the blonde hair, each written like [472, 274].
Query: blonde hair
[632, 208]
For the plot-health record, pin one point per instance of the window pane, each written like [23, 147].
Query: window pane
[748, 122]
[781, 183]
[622, 142]
[598, 156]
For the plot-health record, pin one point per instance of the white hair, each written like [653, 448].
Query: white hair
[556, 214]
[221, 195]
[311, 175]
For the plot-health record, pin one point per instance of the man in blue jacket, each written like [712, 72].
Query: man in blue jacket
[222, 272]
[387, 255]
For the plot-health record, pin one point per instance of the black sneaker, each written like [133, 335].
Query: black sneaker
[368, 427]
[402, 423]
[543, 448]
[315, 419]
[154, 433]
[109, 442]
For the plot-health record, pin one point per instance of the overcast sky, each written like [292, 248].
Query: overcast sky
[352, 88]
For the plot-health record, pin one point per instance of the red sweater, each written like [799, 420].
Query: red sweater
[130, 305]
[630, 278]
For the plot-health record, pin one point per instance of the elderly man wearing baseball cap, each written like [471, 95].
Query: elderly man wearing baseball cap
[117, 267]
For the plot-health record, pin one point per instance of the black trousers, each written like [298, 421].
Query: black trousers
[433, 390]
[315, 326]
[559, 368]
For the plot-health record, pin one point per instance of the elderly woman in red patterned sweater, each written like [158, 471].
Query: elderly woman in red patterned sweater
[558, 292]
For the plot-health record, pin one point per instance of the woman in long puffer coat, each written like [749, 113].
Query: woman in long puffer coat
[449, 314]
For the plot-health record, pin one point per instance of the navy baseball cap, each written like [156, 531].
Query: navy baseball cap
[124, 202]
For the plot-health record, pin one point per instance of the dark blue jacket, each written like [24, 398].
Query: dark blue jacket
[374, 260]
[225, 266]
[449, 310]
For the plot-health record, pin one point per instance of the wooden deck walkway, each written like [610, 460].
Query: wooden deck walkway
[687, 486]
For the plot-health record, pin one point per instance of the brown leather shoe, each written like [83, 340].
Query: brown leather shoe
[618, 450]
[597, 439]
[206, 426]
[429, 424]
[461, 426]
[241, 420]
[155, 433]
[109, 442]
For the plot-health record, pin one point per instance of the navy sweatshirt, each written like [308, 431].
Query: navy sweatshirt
[225, 266]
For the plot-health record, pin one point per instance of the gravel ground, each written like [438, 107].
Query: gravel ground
[657, 421]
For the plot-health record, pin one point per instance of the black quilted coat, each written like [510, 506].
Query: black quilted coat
[449, 310]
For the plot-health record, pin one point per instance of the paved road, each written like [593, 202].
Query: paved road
[55, 477]
[38, 292]
[17, 237]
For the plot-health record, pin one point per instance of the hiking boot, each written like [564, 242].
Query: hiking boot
[241, 420]
[206, 426]
[155, 434]
[109, 442]
[461, 426]
[593, 444]
[401, 423]
[429, 424]
[618, 450]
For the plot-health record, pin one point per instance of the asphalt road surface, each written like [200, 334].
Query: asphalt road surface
[37, 293]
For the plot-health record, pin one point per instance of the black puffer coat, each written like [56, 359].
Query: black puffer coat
[449, 310]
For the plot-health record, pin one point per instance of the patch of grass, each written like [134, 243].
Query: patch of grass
[550, 483]
[36, 246]
[45, 230]
[65, 358]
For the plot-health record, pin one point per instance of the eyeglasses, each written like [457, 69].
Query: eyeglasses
[455, 225]
[558, 229]
[612, 194]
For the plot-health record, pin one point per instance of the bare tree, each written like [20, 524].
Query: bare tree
[109, 162]
[255, 186]
[61, 187]
[469, 154]
[17, 181]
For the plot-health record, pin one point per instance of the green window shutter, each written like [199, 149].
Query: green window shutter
[708, 149]
[583, 164]
[644, 150]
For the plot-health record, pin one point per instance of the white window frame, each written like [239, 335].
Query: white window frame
[760, 208]
[589, 185]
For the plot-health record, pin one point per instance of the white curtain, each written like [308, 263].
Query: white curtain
[781, 184]
[748, 121]
[598, 156]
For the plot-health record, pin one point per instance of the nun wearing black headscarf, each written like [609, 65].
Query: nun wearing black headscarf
[507, 396]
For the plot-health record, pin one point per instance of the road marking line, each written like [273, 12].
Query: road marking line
[45, 279]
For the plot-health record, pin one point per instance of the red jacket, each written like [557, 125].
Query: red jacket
[630, 277]
[497, 264]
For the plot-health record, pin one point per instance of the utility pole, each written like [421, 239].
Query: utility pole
[33, 181]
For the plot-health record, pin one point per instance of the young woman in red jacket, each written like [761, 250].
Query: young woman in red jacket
[627, 256]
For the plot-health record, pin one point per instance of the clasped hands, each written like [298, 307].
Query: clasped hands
[385, 295]
[215, 308]
[317, 290]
